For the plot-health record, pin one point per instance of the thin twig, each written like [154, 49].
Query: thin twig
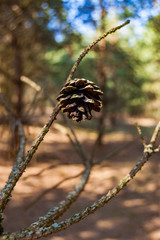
[20, 154]
[44, 231]
[38, 230]
[78, 146]
[15, 175]
[149, 147]
[155, 134]
[19, 168]
[31, 83]
[140, 134]
[87, 49]
[109, 155]
[18, 123]
[83, 54]
[6, 191]
[5, 104]
[32, 107]
[37, 88]
[55, 212]
[75, 142]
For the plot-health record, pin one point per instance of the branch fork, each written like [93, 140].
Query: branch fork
[46, 224]
[149, 148]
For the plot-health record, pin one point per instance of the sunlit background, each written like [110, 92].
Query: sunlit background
[42, 40]
[39, 43]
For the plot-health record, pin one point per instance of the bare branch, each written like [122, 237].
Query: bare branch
[32, 106]
[87, 49]
[37, 88]
[6, 191]
[38, 230]
[155, 135]
[43, 230]
[140, 134]
[109, 155]
[19, 158]
[55, 212]
[31, 83]
[5, 104]
[78, 146]
[20, 167]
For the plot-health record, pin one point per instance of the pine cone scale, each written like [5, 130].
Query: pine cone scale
[79, 97]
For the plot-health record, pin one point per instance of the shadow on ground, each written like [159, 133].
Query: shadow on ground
[133, 215]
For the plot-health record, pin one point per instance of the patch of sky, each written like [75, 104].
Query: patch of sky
[51, 12]
[81, 23]
[41, 14]
[54, 23]
[44, 5]
[59, 37]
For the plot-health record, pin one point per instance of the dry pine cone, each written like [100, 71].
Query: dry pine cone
[79, 97]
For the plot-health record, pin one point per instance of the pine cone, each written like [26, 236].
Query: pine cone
[79, 97]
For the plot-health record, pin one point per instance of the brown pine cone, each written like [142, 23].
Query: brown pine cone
[79, 97]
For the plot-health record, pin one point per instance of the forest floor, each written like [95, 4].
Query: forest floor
[133, 215]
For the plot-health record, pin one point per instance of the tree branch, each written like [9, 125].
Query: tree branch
[55, 212]
[87, 49]
[31, 83]
[43, 230]
[45, 225]
[78, 146]
[20, 166]
[6, 106]
[6, 191]
[155, 134]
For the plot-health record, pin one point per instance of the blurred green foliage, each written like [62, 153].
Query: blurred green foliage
[147, 52]
[125, 83]
[25, 39]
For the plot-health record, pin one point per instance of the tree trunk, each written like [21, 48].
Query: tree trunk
[18, 73]
[102, 75]
[18, 94]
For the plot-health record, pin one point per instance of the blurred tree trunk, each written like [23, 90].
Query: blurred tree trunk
[18, 94]
[101, 52]
[18, 73]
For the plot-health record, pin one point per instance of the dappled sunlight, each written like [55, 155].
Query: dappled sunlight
[88, 234]
[153, 227]
[151, 187]
[116, 136]
[153, 223]
[155, 235]
[107, 224]
[4, 172]
[137, 205]
[79, 102]
[57, 238]
[50, 137]
[110, 238]
[144, 122]
[134, 203]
